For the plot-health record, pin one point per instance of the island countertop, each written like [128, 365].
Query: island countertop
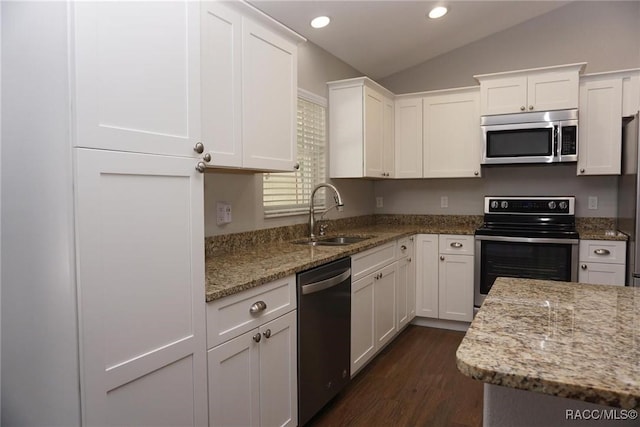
[571, 340]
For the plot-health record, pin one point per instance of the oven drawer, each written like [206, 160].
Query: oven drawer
[604, 251]
[455, 244]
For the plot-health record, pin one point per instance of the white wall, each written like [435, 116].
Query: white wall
[244, 191]
[40, 382]
[605, 34]
[465, 195]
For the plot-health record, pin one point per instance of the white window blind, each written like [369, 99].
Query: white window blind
[288, 193]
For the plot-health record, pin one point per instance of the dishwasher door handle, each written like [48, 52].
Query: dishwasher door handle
[326, 283]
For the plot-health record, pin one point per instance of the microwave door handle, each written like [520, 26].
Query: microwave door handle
[556, 137]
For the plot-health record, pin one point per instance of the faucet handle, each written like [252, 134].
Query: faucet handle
[323, 228]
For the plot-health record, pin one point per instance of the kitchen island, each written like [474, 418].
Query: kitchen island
[556, 353]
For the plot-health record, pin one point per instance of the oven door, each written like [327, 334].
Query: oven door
[530, 258]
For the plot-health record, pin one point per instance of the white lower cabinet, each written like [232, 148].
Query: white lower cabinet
[602, 262]
[139, 228]
[384, 299]
[444, 277]
[406, 285]
[253, 376]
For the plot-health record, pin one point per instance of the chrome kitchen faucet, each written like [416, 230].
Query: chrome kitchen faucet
[312, 219]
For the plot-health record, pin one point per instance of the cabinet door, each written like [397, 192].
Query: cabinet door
[602, 274]
[373, 133]
[137, 76]
[408, 138]
[405, 295]
[555, 90]
[503, 95]
[384, 296]
[451, 135]
[363, 344]
[221, 46]
[234, 382]
[427, 275]
[600, 128]
[455, 293]
[278, 372]
[388, 138]
[269, 99]
[139, 221]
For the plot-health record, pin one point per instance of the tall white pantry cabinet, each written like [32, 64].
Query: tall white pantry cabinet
[103, 317]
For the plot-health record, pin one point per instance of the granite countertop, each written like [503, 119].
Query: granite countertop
[228, 273]
[570, 340]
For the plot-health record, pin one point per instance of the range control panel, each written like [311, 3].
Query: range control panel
[529, 205]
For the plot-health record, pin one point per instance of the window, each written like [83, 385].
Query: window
[288, 193]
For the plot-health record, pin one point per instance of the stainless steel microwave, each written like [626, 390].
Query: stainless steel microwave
[539, 137]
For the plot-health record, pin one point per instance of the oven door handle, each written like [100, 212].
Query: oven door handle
[528, 240]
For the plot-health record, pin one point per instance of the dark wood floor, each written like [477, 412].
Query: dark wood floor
[413, 382]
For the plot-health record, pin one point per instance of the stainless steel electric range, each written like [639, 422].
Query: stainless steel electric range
[527, 237]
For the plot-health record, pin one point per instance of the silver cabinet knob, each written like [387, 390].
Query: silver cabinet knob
[409, 259]
[200, 167]
[530, 107]
[257, 337]
[476, 173]
[411, 239]
[441, 258]
[583, 266]
[602, 252]
[199, 147]
[267, 333]
[522, 108]
[296, 166]
[403, 248]
[257, 307]
[581, 170]
[207, 157]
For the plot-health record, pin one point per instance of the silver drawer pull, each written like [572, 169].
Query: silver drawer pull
[456, 245]
[403, 247]
[602, 252]
[257, 307]
[583, 266]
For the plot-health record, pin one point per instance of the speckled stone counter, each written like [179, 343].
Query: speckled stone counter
[570, 340]
[232, 267]
[599, 229]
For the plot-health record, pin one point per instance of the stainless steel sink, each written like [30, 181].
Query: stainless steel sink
[332, 241]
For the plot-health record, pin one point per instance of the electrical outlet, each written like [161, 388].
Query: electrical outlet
[444, 202]
[593, 202]
[379, 202]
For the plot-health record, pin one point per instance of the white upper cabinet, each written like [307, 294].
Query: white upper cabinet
[361, 120]
[137, 76]
[249, 89]
[540, 89]
[408, 138]
[600, 127]
[451, 135]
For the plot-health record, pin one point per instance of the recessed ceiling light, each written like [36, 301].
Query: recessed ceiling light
[320, 21]
[438, 12]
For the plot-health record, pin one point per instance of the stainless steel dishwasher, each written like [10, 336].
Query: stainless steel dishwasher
[324, 335]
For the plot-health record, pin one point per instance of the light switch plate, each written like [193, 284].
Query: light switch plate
[593, 202]
[444, 202]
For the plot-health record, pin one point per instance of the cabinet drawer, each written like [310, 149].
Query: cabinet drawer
[371, 260]
[455, 244]
[611, 252]
[405, 247]
[230, 316]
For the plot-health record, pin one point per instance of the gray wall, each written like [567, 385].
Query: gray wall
[315, 68]
[465, 195]
[606, 35]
